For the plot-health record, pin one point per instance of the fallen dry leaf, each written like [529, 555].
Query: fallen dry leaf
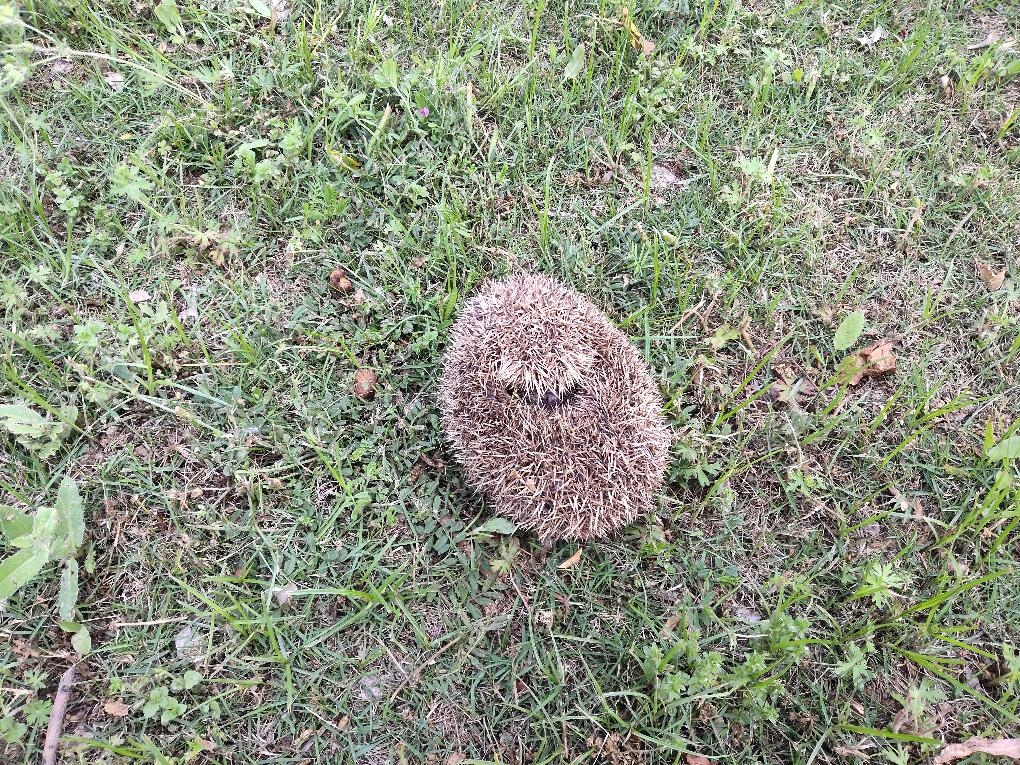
[116, 708]
[280, 9]
[875, 360]
[664, 178]
[697, 759]
[944, 83]
[872, 37]
[1003, 747]
[795, 392]
[456, 758]
[572, 560]
[990, 40]
[364, 383]
[338, 280]
[61, 65]
[993, 280]
[114, 79]
[139, 296]
[282, 595]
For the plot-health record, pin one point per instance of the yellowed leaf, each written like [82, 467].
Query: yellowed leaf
[637, 40]
[993, 279]
[572, 560]
[1002, 747]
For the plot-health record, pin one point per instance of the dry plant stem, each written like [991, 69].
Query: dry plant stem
[56, 724]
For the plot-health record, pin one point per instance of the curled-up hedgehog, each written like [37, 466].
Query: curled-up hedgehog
[550, 411]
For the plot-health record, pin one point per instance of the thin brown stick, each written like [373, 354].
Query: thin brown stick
[56, 724]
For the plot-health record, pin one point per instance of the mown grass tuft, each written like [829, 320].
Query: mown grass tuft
[831, 574]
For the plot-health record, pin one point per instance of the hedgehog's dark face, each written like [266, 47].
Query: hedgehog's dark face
[551, 411]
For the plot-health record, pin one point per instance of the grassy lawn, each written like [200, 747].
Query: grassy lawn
[277, 570]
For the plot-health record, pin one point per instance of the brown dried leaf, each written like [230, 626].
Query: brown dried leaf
[880, 358]
[795, 392]
[993, 280]
[697, 759]
[456, 758]
[572, 560]
[902, 718]
[1003, 747]
[139, 296]
[61, 66]
[116, 708]
[875, 360]
[364, 383]
[338, 280]
[662, 177]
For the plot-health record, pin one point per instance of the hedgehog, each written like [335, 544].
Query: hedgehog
[550, 412]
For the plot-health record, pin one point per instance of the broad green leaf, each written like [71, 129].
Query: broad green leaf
[126, 181]
[18, 570]
[69, 626]
[261, 8]
[576, 63]
[81, 641]
[190, 679]
[44, 531]
[848, 331]
[67, 597]
[496, 526]
[989, 435]
[70, 512]
[35, 432]
[387, 75]
[723, 335]
[23, 421]
[14, 523]
[1006, 450]
[167, 12]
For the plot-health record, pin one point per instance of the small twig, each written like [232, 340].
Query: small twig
[707, 313]
[687, 314]
[56, 724]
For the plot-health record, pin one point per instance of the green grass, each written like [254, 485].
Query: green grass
[833, 579]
